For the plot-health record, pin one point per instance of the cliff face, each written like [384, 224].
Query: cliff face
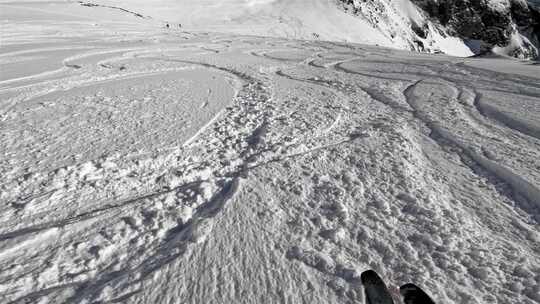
[512, 24]
[510, 27]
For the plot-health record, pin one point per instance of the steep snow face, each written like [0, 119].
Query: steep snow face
[421, 25]
[398, 24]
[406, 25]
[299, 19]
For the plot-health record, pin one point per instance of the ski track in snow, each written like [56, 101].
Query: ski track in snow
[175, 167]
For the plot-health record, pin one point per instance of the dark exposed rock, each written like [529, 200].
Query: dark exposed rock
[421, 31]
[511, 26]
[481, 20]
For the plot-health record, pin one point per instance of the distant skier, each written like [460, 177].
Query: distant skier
[377, 292]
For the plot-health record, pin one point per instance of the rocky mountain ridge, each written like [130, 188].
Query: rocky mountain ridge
[509, 27]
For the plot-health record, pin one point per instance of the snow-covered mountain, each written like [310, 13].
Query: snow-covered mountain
[407, 26]
[509, 27]
[455, 27]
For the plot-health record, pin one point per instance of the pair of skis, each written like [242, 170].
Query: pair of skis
[377, 293]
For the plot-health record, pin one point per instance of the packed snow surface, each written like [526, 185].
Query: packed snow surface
[148, 165]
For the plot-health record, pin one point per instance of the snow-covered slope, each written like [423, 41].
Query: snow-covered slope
[385, 23]
[460, 29]
[147, 165]
[299, 19]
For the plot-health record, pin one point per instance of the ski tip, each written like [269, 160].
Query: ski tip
[376, 291]
[370, 277]
[413, 294]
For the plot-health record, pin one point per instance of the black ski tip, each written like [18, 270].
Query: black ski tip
[370, 277]
[375, 290]
[413, 294]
